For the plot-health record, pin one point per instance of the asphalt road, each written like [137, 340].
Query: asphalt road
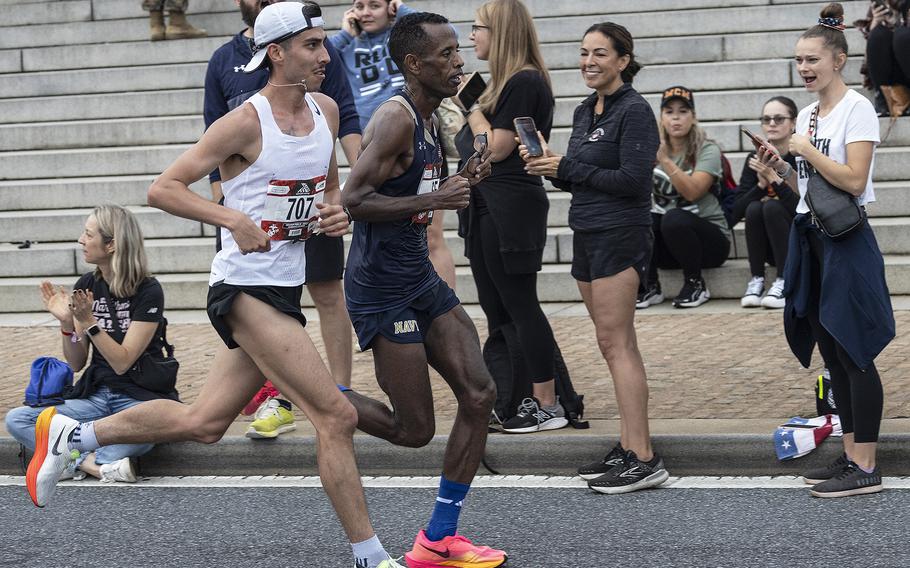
[295, 527]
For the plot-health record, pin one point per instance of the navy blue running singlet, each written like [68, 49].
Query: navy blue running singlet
[389, 263]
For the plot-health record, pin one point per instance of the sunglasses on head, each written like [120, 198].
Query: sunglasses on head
[776, 119]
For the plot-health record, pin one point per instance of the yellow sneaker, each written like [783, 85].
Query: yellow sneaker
[271, 419]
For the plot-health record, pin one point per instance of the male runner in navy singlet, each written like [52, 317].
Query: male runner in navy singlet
[400, 307]
[280, 181]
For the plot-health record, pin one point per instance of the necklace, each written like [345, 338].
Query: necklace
[302, 83]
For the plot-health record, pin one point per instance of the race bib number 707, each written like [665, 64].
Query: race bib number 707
[290, 212]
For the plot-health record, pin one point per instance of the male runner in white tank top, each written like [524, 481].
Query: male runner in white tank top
[280, 184]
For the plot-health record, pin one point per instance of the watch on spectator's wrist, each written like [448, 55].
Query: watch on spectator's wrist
[92, 330]
[786, 173]
[348, 213]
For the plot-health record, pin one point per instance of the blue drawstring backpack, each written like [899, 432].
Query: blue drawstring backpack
[50, 377]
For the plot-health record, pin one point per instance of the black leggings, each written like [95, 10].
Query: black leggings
[767, 230]
[684, 240]
[888, 56]
[511, 298]
[857, 393]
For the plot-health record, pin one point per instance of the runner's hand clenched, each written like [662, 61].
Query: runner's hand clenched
[454, 193]
[333, 221]
[249, 236]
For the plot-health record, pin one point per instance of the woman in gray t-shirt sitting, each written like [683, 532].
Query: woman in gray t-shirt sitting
[690, 230]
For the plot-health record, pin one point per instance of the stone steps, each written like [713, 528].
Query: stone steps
[890, 162]
[177, 245]
[563, 21]
[555, 284]
[187, 129]
[563, 55]
[712, 105]
[724, 75]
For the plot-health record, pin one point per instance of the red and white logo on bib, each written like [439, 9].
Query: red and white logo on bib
[290, 212]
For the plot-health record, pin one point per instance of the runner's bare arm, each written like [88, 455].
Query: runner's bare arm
[390, 137]
[234, 135]
[332, 219]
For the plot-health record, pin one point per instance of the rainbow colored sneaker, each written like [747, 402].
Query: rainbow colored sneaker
[452, 551]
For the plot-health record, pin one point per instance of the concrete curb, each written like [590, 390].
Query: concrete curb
[684, 454]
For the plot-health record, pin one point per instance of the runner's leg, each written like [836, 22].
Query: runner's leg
[283, 351]
[453, 349]
[401, 371]
[335, 326]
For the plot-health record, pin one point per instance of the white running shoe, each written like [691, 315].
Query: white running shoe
[754, 290]
[774, 299]
[120, 470]
[52, 456]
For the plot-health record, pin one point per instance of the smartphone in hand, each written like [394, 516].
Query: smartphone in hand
[527, 134]
[470, 90]
[759, 142]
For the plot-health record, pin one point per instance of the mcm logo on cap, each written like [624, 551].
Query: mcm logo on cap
[279, 22]
[678, 92]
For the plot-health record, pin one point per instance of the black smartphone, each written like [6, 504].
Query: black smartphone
[756, 141]
[527, 134]
[471, 90]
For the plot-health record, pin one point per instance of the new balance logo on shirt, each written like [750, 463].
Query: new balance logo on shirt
[406, 326]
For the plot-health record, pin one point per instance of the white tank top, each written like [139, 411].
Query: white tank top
[279, 192]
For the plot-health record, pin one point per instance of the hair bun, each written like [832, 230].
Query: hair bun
[833, 11]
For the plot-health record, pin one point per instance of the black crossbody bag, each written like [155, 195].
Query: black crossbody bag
[156, 374]
[833, 210]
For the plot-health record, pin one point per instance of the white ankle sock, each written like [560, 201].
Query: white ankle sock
[369, 553]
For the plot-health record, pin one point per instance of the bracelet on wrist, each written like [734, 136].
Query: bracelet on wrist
[66, 333]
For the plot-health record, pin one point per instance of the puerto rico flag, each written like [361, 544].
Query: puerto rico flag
[799, 436]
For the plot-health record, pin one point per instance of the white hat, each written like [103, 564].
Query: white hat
[278, 22]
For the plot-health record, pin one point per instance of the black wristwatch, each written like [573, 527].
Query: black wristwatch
[93, 330]
[348, 213]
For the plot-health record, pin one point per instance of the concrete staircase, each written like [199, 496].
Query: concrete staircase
[90, 111]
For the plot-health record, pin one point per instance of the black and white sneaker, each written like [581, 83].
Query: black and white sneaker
[596, 469]
[824, 473]
[693, 294]
[850, 481]
[532, 417]
[631, 475]
[651, 296]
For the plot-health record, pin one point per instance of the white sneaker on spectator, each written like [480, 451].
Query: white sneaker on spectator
[120, 470]
[774, 299]
[754, 290]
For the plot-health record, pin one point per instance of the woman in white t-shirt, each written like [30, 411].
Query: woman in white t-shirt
[842, 296]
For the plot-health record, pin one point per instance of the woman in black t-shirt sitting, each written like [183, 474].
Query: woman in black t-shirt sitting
[505, 226]
[118, 309]
[768, 205]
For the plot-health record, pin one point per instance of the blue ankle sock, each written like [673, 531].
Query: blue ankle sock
[444, 521]
[343, 388]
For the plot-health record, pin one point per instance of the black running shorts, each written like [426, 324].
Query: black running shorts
[221, 297]
[607, 253]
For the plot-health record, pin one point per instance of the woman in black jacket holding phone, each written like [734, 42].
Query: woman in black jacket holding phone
[607, 168]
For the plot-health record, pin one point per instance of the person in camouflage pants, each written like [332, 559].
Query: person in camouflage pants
[177, 26]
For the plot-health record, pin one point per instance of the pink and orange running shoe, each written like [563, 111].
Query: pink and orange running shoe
[456, 551]
[267, 391]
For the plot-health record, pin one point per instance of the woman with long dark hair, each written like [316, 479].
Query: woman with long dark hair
[836, 295]
[607, 168]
